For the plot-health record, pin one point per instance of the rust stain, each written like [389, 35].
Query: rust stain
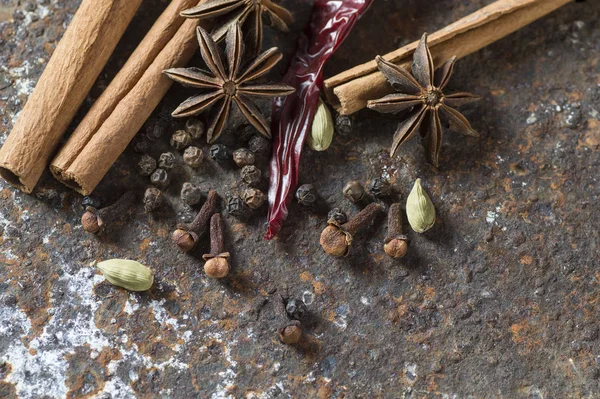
[526, 260]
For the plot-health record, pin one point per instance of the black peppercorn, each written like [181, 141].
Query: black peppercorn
[154, 131]
[180, 140]
[306, 195]
[191, 194]
[243, 157]
[195, 127]
[140, 144]
[251, 175]
[153, 198]
[160, 178]
[166, 161]
[380, 187]
[219, 153]
[295, 309]
[146, 165]
[253, 197]
[193, 156]
[337, 215]
[236, 206]
[246, 132]
[343, 125]
[259, 145]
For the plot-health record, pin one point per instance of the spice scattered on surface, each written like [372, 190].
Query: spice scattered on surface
[396, 243]
[380, 187]
[228, 87]
[321, 132]
[343, 125]
[236, 206]
[243, 157]
[259, 145]
[160, 178]
[217, 262]
[219, 153]
[140, 144]
[419, 209]
[180, 140]
[128, 274]
[146, 165]
[95, 220]
[423, 94]
[253, 197]
[153, 199]
[195, 127]
[336, 239]
[193, 157]
[167, 161]
[154, 131]
[354, 191]
[336, 215]
[187, 235]
[251, 175]
[295, 309]
[306, 195]
[191, 194]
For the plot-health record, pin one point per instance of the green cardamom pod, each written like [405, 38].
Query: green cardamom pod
[419, 209]
[321, 134]
[127, 274]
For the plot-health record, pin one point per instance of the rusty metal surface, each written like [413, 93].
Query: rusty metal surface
[500, 300]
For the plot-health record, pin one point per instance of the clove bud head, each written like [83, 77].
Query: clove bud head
[90, 221]
[291, 333]
[216, 266]
[185, 240]
[335, 241]
[396, 247]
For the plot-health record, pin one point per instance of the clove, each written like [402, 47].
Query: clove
[336, 239]
[95, 220]
[396, 244]
[187, 235]
[217, 262]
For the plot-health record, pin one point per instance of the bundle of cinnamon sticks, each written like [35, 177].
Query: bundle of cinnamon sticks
[116, 116]
[131, 97]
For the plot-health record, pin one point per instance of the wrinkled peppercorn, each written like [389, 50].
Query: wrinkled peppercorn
[219, 153]
[180, 140]
[259, 145]
[251, 175]
[253, 197]
[160, 178]
[343, 125]
[354, 191]
[153, 198]
[306, 195]
[193, 156]
[380, 187]
[154, 131]
[140, 144]
[236, 206]
[166, 161]
[246, 132]
[243, 157]
[146, 165]
[191, 194]
[337, 215]
[195, 127]
[295, 309]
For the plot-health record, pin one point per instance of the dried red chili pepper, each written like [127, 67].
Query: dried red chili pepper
[330, 24]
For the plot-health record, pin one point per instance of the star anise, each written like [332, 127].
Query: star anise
[422, 94]
[228, 86]
[247, 13]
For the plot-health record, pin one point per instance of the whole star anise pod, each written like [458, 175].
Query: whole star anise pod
[228, 86]
[247, 13]
[423, 94]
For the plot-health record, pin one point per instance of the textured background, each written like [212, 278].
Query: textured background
[500, 299]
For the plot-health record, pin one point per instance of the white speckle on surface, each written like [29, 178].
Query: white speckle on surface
[365, 301]
[308, 297]
[491, 217]
[531, 119]
[161, 315]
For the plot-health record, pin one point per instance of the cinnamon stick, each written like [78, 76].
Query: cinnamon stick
[349, 91]
[108, 142]
[153, 43]
[75, 64]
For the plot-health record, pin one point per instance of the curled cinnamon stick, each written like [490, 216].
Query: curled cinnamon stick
[349, 91]
[153, 43]
[77, 61]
